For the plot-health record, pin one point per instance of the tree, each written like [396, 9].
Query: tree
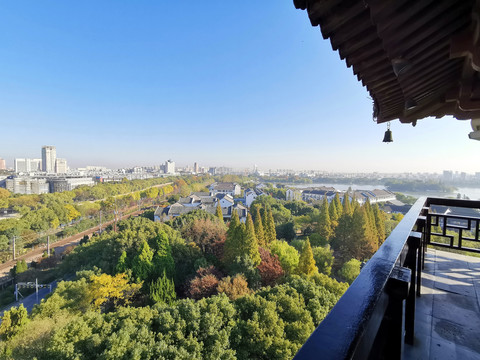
[306, 263]
[353, 237]
[286, 231]
[122, 263]
[259, 232]
[379, 217]
[72, 213]
[324, 223]
[205, 232]
[142, 263]
[338, 206]
[347, 207]
[232, 242]
[219, 212]
[323, 259]
[350, 270]
[13, 321]
[4, 195]
[107, 292]
[162, 290]
[287, 255]
[269, 227]
[204, 284]
[249, 243]
[234, 287]
[270, 268]
[20, 267]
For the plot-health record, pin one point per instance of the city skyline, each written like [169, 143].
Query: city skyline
[135, 84]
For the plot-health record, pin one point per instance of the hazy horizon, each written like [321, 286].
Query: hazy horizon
[220, 84]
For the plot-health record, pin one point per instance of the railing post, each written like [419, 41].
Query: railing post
[411, 262]
[397, 289]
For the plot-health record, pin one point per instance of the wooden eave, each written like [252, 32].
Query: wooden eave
[438, 39]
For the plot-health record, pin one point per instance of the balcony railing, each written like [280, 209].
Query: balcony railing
[376, 315]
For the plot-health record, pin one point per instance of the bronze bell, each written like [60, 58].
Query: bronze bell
[388, 135]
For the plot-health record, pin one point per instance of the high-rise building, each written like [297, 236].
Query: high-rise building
[49, 156]
[60, 166]
[169, 167]
[2, 164]
[24, 165]
[196, 168]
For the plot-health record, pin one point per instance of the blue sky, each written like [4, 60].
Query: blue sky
[123, 83]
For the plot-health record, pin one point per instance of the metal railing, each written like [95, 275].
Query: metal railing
[376, 315]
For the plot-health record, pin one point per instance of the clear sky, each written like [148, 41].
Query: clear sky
[124, 83]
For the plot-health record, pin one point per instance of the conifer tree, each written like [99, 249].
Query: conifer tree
[371, 221]
[306, 264]
[324, 224]
[162, 290]
[338, 206]
[232, 240]
[122, 263]
[347, 210]
[379, 217]
[259, 232]
[249, 243]
[142, 262]
[270, 233]
[332, 211]
[219, 213]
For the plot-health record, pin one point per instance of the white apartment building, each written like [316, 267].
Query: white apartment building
[25, 165]
[61, 166]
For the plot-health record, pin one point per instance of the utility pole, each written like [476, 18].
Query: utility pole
[13, 247]
[100, 231]
[48, 246]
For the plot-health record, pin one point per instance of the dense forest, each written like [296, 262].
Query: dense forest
[197, 288]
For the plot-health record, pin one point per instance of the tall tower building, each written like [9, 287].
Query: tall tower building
[169, 167]
[49, 157]
[2, 164]
[196, 168]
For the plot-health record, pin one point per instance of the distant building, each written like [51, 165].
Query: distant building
[319, 194]
[169, 167]
[2, 164]
[293, 194]
[196, 168]
[67, 184]
[27, 186]
[60, 166]
[25, 165]
[225, 188]
[49, 157]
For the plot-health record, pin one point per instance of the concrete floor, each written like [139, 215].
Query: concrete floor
[447, 319]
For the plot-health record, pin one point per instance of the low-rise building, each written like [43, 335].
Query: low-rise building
[229, 188]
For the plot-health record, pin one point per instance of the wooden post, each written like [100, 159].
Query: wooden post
[14, 247]
[48, 246]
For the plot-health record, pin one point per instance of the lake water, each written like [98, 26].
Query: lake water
[472, 193]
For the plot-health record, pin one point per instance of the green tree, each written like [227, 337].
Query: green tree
[232, 242]
[250, 245]
[13, 321]
[347, 206]
[379, 217]
[162, 290]
[259, 232]
[269, 227]
[142, 265]
[338, 206]
[122, 265]
[306, 263]
[323, 259]
[324, 223]
[219, 213]
[350, 270]
[287, 255]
